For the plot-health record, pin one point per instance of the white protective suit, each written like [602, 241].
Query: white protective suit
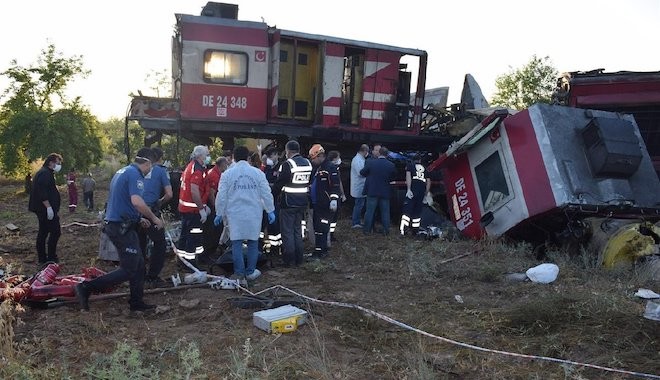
[357, 181]
[243, 196]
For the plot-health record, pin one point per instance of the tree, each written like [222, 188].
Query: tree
[532, 83]
[114, 129]
[31, 126]
[160, 82]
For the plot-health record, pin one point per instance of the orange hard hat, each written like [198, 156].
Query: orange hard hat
[315, 150]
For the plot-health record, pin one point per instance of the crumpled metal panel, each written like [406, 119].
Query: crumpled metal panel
[564, 151]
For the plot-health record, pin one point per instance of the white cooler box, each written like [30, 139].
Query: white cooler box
[281, 319]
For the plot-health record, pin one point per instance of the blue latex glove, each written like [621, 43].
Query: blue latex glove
[271, 217]
[218, 220]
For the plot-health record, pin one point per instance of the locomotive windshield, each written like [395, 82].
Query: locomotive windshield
[491, 181]
[225, 67]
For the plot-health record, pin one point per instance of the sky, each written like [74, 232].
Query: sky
[123, 42]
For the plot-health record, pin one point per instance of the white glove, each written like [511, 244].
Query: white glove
[333, 205]
[50, 213]
[203, 214]
[343, 198]
[409, 194]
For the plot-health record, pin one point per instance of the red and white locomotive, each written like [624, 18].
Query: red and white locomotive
[234, 78]
[545, 172]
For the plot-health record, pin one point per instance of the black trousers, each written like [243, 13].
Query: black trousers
[157, 257]
[211, 235]
[191, 240]
[411, 216]
[321, 217]
[271, 232]
[131, 264]
[48, 229]
[292, 242]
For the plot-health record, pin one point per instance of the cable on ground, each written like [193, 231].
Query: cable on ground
[455, 342]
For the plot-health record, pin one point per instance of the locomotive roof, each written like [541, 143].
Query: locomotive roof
[600, 75]
[289, 33]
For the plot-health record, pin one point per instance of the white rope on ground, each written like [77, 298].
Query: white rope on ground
[80, 224]
[422, 332]
[213, 278]
[454, 342]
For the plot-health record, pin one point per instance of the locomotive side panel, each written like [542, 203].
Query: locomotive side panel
[381, 71]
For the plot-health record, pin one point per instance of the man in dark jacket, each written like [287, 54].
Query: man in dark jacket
[272, 235]
[45, 203]
[378, 172]
[325, 197]
[417, 185]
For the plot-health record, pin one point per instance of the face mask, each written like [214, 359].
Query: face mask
[207, 160]
[57, 168]
[337, 162]
[270, 162]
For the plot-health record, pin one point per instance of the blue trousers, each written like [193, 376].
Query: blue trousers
[357, 210]
[239, 259]
[383, 205]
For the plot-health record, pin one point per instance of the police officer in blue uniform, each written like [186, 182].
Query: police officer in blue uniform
[157, 192]
[125, 211]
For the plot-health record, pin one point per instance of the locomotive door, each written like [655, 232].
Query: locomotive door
[299, 77]
[352, 87]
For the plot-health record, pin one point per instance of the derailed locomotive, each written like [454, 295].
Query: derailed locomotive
[556, 174]
[548, 173]
[243, 79]
[233, 79]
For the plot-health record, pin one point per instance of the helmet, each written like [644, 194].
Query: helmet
[315, 150]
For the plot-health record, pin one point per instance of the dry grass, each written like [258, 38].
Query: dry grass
[7, 321]
[586, 315]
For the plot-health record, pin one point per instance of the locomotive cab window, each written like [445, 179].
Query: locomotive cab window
[225, 67]
[492, 182]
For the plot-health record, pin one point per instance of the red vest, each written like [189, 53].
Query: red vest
[213, 178]
[193, 174]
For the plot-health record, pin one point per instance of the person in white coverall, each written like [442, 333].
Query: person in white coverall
[243, 195]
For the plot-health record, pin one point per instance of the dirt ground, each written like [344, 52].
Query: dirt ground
[587, 315]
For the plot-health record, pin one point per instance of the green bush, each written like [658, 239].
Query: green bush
[124, 364]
